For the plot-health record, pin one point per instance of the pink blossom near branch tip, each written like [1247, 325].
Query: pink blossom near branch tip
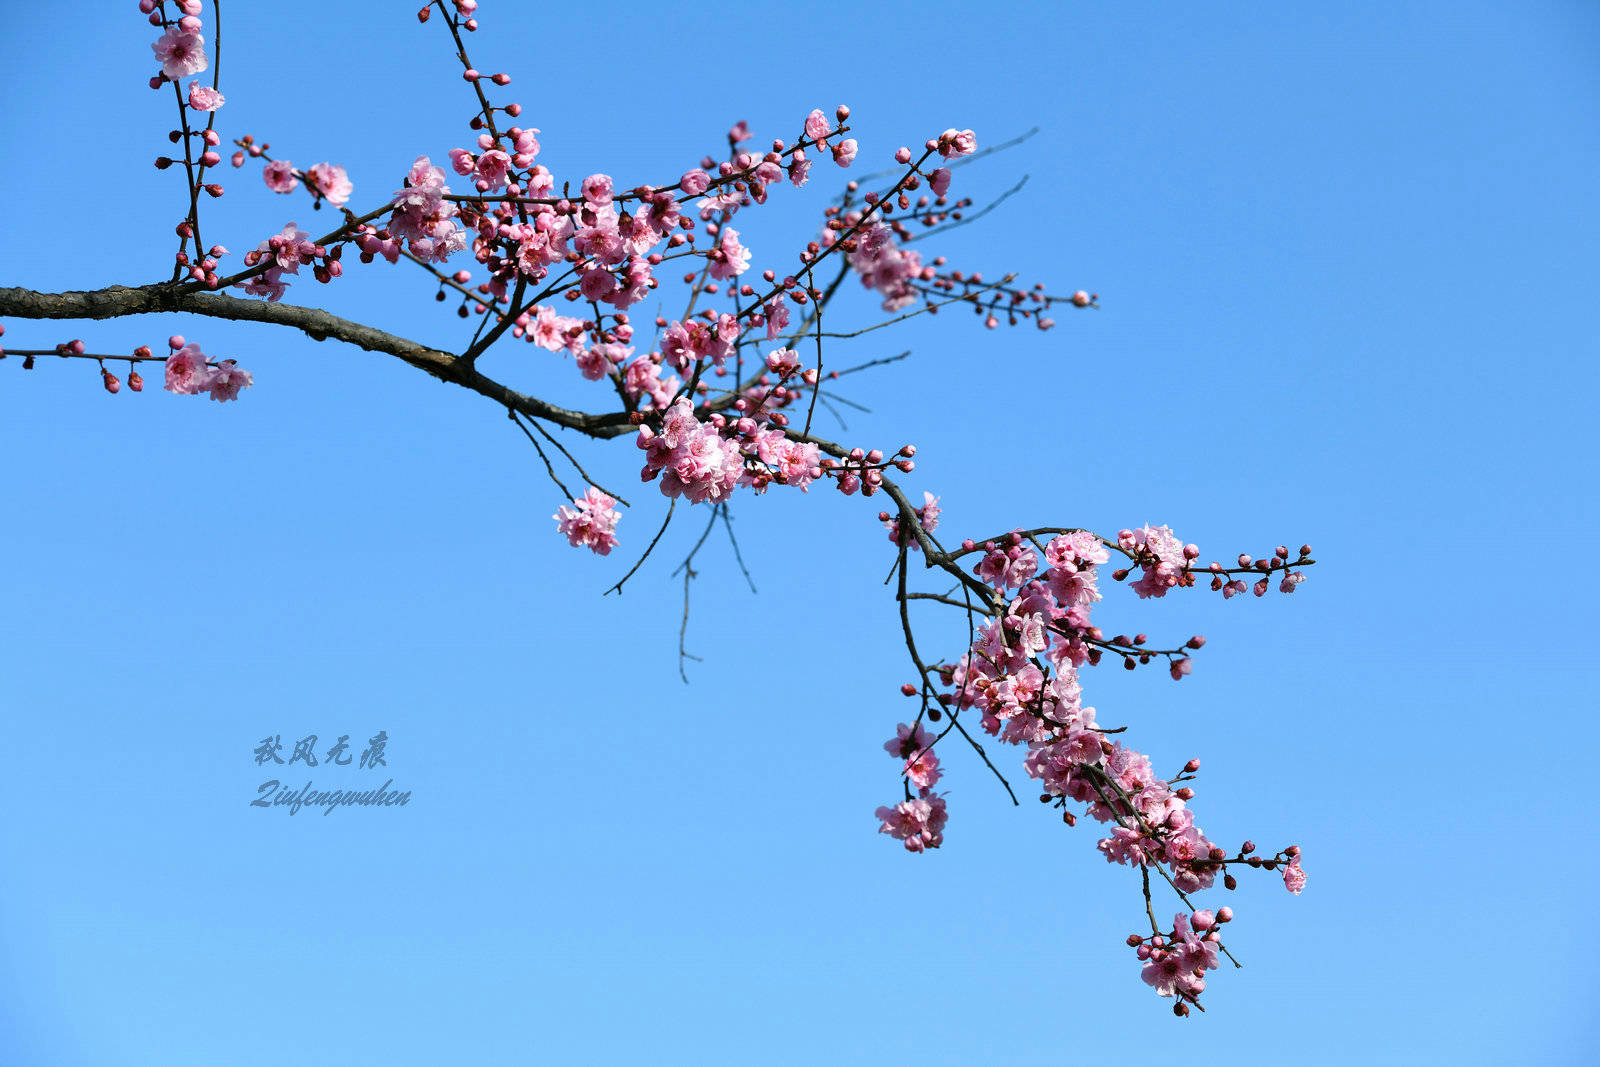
[180, 53]
[591, 522]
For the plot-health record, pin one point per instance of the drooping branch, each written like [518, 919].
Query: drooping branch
[119, 300]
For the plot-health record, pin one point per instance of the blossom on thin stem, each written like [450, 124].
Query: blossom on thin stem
[590, 522]
[180, 53]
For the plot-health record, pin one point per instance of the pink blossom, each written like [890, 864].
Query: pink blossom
[908, 740]
[800, 464]
[289, 250]
[596, 284]
[602, 241]
[726, 202]
[922, 770]
[691, 458]
[1161, 556]
[180, 53]
[423, 218]
[269, 284]
[204, 98]
[642, 381]
[817, 125]
[694, 182]
[1294, 879]
[227, 379]
[939, 181]
[777, 315]
[1176, 969]
[1077, 545]
[884, 266]
[597, 189]
[919, 822]
[591, 522]
[279, 176]
[331, 181]
[187, 371]
[844, 153]
[1008, 568]
[494, 167]
[424, 185]
[954, 143]
[526, 143]
[799, 168]
[549, 330]
[730, 257]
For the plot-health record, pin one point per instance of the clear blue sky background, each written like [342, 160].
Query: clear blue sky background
[1347, 257]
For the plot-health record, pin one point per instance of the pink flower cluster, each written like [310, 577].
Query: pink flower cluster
[423, 218]
[591, 521]
[1162, 556]
[953, 143]
[772, 457]
[188, 373]
[1176, 967]
[685, 343]
[886, 267]
[729, 258]
[692, 458]
[287, 252]
[642, 382]
[919, 822]
[707, 461]
[1021, 674]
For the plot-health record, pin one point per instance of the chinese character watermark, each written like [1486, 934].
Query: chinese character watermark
[273, 793]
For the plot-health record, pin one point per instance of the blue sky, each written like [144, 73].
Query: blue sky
[1346, 260]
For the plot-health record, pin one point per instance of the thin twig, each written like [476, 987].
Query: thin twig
[618, 587]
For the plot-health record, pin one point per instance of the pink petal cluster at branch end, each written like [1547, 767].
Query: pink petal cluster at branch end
[1176, 968]
[918, 822]
[1294, 877]
[591, 521]
[953, 143]
[188, 374]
